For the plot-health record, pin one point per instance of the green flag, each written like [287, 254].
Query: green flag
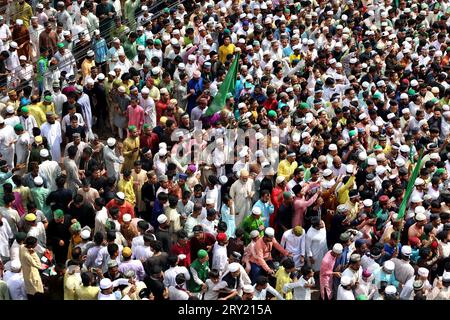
[409, 188]
[227, 86]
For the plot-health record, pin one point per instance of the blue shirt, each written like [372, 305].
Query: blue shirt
[100, 49]
[266, 210]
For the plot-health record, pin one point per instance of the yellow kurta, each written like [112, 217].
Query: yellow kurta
[87, 293]
[72, 283]
[47, 108]
[286, 169]
[23, 12]
[127, 188]
[129, 145]
[30, 267]
[139, 180]
[86, 67]
[283, 278]
[39, 115]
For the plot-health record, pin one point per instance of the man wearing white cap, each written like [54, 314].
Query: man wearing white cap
[191, 66]
[293, 240]
[242, 192]
[345, 291]
[386, 274]
[408, 289]
[25, 70]
[261, 261]
[14, 281]
[112, 161]
[403, 268]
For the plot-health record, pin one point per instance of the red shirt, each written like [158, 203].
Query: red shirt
[160, 109]
[271, 104]
[177, 249]
[150, 141]
[123, 209]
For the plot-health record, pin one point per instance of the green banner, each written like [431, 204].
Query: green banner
[409, 188]
[227, 86]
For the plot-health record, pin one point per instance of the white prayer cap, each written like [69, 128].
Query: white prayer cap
[389, 265]
[346, 280]
[337, 248]
[332, 147]
[85, 234]
[269, 232]
[126, 217]
[390, 290]
[248, 288]
[15, 265]
[38, 181]
[256, 211]
[327, 172]
[254, 234]
[406, 251]
[349, 168]
[420, 217]
[419, 182]
[372, 161]
[105, 283]
[111, 142]
[210, 201]
[120, 195]
[404, 148]
[280, 179]
[362, 156]
[368, 203]
[44, 153]
[423, 272]
[162, 218]
[162, 152]
[233, 267]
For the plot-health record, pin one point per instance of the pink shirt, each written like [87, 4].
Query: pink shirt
[300, 206]
[326, 274]
[136, 117]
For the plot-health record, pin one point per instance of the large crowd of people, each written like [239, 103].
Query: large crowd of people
[225, 150]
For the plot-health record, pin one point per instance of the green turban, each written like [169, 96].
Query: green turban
[352, 133]
[18, 127]
[271, 113]
[157, 42]
[361, 297]
[58, 214]
[439, 171]
[146, 125]
[304, 105]
[287, 195]
[131, 128]
[76, 227]
[60, 45]
[202, 254]
[411, 92]
[377, 95]
[24, 109]
[378, 147]
[48, 99]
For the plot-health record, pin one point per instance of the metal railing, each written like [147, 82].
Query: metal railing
[12, 83]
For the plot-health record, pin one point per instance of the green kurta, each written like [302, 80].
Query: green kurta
[202, 271]
[249, 224]
[39, 196]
